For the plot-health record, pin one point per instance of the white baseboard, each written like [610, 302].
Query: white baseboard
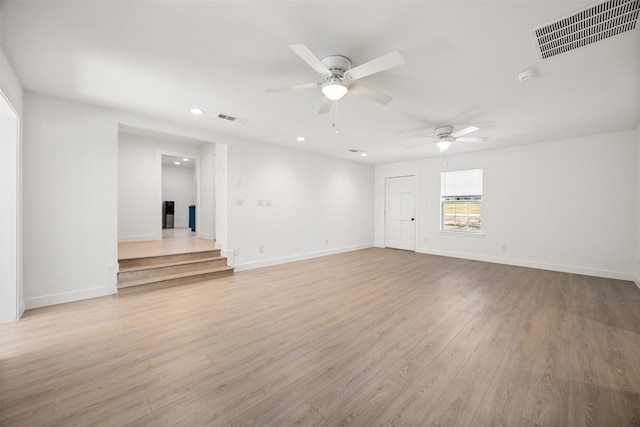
[534, 264]
[71, 296]
[636, 280]
[300, 257]
[141, 238]
[110, 288]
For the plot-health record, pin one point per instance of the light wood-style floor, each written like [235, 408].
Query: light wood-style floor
[174, 241]
[372, 337]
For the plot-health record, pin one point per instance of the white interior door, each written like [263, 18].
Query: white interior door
[400, 212]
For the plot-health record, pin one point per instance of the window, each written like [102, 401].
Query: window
[461, 201]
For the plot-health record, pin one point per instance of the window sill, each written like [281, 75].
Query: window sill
[462, 233]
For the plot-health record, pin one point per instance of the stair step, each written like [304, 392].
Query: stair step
[153, 286]
[183, 277]
[128, 267]
[162, 271]
[161, 260]
[150, 273]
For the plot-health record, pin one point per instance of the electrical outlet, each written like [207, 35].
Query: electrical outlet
[504, 248]
[260, 202]
[426, 240]
[326, 241]
[267, 202]
[239, 202]
[261, 249]
[236, 252]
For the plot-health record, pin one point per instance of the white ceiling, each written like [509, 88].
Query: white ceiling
[171, 161]
[160, 59]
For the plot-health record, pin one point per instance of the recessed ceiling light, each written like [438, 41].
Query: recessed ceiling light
[176, 163]
[197, 111]
[301, 139]
[186, 160]
[363, 154]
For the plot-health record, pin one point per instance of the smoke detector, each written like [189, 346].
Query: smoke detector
[527, 75]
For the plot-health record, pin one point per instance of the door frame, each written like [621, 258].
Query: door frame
[12, 303]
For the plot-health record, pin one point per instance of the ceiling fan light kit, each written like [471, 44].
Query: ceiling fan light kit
[444, 144]
[334, 89]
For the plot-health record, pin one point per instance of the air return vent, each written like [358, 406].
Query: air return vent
[231, 118]
[594, 23]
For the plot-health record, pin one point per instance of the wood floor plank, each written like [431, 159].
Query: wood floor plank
[547, 400]
[460, 401]
[433, 367]
[370, 337]
[503, 402]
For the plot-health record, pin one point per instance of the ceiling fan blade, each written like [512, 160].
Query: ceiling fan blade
[390, 60]
[293, 87]
[325, 105]
[465, 131]
[470, 139]
[370, 94]
[310, 58]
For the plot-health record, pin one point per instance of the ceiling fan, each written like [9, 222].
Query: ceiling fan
[445, 136]
[338, 76]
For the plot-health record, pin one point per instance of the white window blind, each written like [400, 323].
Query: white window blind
[462, 183]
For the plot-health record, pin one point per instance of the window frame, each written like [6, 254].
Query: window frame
[458, 200]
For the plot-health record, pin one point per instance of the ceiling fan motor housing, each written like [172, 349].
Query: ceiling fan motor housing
[337, 64]
[443, 132]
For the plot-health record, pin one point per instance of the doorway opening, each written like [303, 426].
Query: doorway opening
[179, 191]
[148, 176]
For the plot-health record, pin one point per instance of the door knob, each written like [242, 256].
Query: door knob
[413, 219]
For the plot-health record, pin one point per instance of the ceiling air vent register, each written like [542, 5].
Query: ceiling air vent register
[231, 118]
[592, 24]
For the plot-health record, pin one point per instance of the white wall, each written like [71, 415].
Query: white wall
[140, 185]
[11, 270]
[9, 83]
[561, 205]
[179, 185]
[319, 205]
[70, 200]
[138, 210]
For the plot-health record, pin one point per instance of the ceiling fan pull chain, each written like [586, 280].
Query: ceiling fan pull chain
[335, 113]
